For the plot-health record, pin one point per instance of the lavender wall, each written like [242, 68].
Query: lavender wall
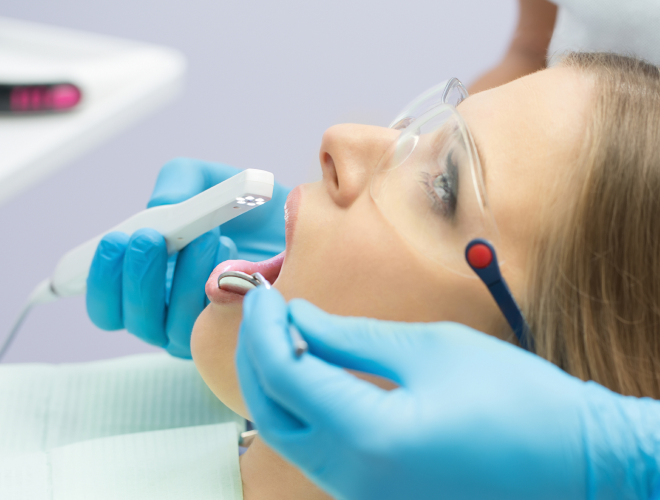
[265, 80]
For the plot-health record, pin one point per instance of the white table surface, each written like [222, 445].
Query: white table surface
[122, 81]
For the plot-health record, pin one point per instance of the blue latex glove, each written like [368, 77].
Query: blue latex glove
[133, 284]
[473, 418]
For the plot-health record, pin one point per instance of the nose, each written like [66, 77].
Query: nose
[349, 157]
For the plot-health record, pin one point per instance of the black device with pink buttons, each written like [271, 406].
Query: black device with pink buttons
[38, 98]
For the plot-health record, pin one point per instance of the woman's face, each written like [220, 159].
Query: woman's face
[345, 257]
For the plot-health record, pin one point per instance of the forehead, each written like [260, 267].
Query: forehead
[530, 121]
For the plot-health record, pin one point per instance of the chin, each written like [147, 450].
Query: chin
[213, 344]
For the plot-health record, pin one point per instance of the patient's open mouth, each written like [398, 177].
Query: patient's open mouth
[233, 291]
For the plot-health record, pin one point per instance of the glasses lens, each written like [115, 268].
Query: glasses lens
[429, 185]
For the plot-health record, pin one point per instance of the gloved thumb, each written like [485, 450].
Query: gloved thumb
[307, 389]
[382, 348]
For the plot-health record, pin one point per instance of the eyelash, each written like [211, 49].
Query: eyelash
[442, 188]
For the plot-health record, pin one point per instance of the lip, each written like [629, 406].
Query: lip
[270, 269]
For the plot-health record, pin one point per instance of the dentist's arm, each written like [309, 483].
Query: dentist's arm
[473, 418]
[528, 49]
[132, 284]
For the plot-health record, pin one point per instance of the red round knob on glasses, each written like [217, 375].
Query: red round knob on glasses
[480, 256]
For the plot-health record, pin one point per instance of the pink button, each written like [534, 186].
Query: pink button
[65, 96]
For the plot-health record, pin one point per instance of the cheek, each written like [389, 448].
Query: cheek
[352, 262]
[338, 258]
[213, 346]
[521, 198]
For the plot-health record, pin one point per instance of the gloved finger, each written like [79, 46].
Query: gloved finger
[363, 344]
[104, 282]
[187, 297]
[307, 387]
[263, 410]
[183, 178]
[391, 349]
[144, 274]
[282, 431]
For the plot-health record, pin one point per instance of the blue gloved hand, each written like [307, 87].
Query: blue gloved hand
[133, 284]
[473, 417]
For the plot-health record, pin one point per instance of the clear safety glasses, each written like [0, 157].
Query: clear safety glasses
[430, 185]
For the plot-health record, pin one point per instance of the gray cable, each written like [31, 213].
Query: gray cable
[16, 326]
[41, 294]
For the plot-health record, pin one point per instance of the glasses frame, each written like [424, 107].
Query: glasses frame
[435, 96]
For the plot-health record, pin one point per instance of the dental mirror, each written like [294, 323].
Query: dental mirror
[244, 281]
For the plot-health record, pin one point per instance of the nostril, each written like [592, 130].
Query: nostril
[329, 170]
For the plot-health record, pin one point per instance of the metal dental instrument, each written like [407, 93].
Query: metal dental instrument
[300, 346]
[238, 274]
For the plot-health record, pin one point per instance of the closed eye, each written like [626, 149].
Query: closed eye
[441, 187]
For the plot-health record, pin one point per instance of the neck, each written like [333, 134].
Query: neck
[267, 476]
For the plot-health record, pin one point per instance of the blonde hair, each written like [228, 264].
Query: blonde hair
[593, 299]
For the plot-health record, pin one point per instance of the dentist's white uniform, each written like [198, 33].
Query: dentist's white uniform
[628, 27]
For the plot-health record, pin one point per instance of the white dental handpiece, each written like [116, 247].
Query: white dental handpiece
[179, 224]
